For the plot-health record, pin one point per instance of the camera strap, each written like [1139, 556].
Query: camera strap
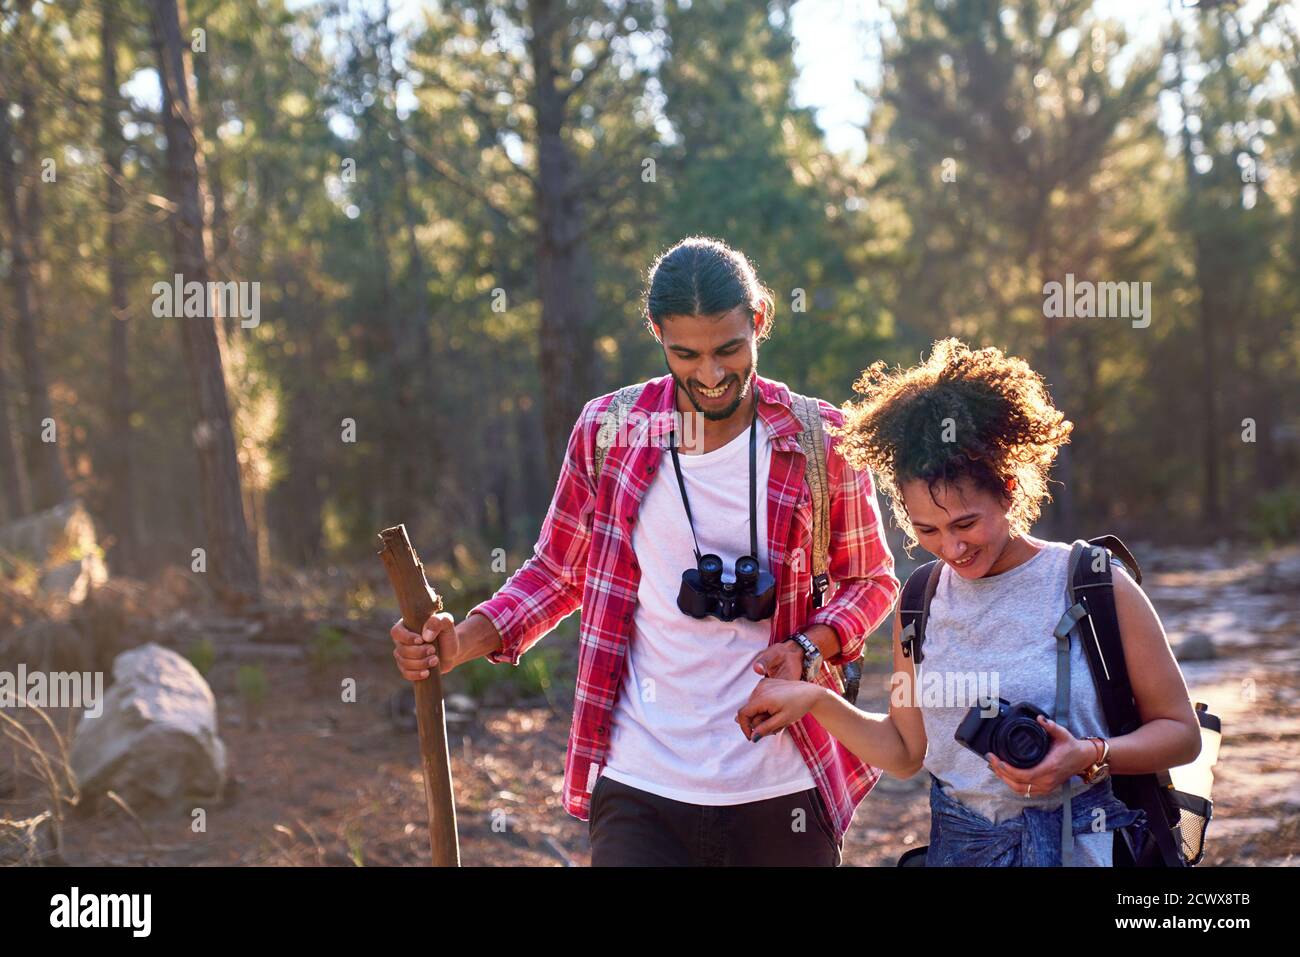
[1064, 629]
[753, 485]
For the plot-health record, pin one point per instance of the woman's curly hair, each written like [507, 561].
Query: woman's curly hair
[980, 415]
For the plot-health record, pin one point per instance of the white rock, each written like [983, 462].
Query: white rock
[156, 738]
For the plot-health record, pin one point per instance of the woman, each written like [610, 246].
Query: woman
[962, 445]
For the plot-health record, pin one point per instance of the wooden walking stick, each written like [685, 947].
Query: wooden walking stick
[418, 601]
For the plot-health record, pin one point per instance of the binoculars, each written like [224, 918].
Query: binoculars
[703, 593]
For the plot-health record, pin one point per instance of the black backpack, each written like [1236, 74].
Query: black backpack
[1176, 821]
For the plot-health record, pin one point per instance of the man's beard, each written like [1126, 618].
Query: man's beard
[746, 382]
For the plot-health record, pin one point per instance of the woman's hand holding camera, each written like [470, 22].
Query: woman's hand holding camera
[1066, 757]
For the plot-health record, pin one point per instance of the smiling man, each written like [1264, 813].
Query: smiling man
[693, 571]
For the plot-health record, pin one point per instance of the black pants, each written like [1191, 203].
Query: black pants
[633, 828]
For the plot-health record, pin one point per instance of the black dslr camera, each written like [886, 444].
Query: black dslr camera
[1013, 734]
[703, 593]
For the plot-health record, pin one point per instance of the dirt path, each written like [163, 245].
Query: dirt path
[320, 781]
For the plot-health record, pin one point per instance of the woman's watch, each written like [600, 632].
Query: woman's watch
[1099, 770]
[812, 655]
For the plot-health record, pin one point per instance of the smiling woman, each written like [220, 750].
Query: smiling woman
[962, 445]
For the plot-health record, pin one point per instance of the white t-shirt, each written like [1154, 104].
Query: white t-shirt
[674, 731]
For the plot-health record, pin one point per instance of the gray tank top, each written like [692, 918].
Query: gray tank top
[994, 635]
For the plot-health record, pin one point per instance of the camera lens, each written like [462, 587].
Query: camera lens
[1024, 743]
[746, 573]
[710, 571]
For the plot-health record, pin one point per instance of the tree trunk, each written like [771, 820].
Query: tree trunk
[1207, 315]
[1266, 474]
[33, 210]
[121, 486]
[17, 497]
[208, 103]
[1063, 495]
[298, 501]
[300, 498]
[1209, 386]
[420, 394]
[51, 482]
[563, 264]
[232, 559]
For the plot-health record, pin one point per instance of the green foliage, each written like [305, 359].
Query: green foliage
[252, 685]
[534, 676]
[378, 179]
[477, 676]
[328, 648]
[356, 845]
[1275, 516]
[22, 573]
[536, 672]
[202, 654]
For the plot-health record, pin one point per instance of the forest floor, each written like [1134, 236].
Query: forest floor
[315, 780]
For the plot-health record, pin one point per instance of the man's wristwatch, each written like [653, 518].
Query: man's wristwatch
[812, 655]
[1099, 770]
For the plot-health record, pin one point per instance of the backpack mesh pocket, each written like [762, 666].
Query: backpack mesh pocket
[1194, 813]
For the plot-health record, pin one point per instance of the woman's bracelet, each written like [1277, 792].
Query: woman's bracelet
[1099, 768]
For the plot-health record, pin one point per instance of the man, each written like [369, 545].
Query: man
[656, 761]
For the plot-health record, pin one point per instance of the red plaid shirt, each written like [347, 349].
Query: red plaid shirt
[584, 559]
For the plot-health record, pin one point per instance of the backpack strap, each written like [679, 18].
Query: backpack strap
[1063, 632]
[812, 440]
[1119, 554]
[914, 607]
[1092, 588]
[613, 423]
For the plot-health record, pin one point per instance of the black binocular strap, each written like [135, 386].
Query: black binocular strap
[753, 486]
